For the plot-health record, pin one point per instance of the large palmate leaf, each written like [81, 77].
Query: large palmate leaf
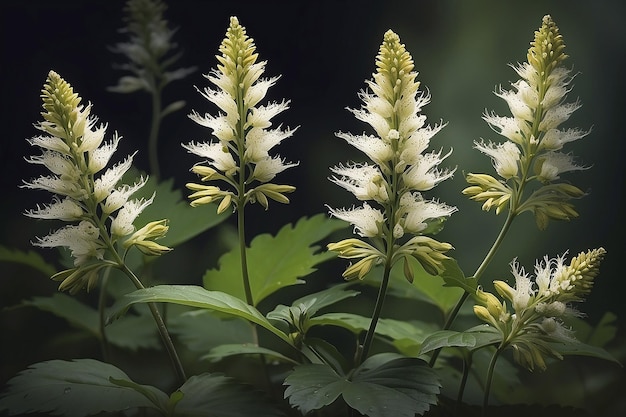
[185, 221]
[275, 261]
[133, 333]
[73, 389]
[30, 258]
[211, 395]
[195, 296]
[385, 385]
[201, 330]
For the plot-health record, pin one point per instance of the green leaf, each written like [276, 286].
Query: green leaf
[185, 221]
[71, 389]
[305, 307]
[201, 330]
[447, 338]
[214, 395]
[385, 385]
[195, 296]
[223, 351]
[30, 258]
[394, 329]
[134, 332]
[454, 277]
[325, 298]
[600, 334]
[575, 347]
[275, 261]
[312, 386]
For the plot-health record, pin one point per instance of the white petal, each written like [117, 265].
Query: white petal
[505, 157]
[257, 92]
[82, 240]
[261, 116]
[66, 210]
[99, 158]
[366, 220]
[375, 148]
[120, 196]
[107, 181]
[364, 181]
[218, 155]
[259, 141]
[52, 143]
[266, 169]
[122, 224]
[57, 163]
[221, 127]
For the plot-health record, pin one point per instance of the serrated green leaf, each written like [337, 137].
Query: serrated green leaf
[75, 388]
[214, 395]
[275, 261]
[30, 258]
[201, 330]
[223, 351]
[312, 386]
[384, 385]
[453, 277]
[134, 332]
[185, 221]
[195, 296]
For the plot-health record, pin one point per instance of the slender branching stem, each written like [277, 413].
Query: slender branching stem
[467, 365]
[104, 341]
[163, 332]
[490, 371]
[477, 275]
[380, 300]
[242, 251]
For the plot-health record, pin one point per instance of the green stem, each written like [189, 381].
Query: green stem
[477, 275]
[163, 332]
[104, 341]
[380, 300]
[242, 251]
[492, 366]
[153, 153]
[467, 365]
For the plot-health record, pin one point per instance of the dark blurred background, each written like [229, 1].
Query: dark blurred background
[324, 51]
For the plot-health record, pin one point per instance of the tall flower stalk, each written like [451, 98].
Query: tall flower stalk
[238, 158]
[98, 209]
[151, 54]
[538, 307]
[394, 217]
[529, 163]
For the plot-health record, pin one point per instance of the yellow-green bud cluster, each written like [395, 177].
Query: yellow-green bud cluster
[538, 305]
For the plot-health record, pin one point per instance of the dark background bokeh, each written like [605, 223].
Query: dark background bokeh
[324, 51]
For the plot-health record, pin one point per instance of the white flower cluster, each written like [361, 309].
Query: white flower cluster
[401, 170]
[242, 128]
[75, 153]
[534, 136]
